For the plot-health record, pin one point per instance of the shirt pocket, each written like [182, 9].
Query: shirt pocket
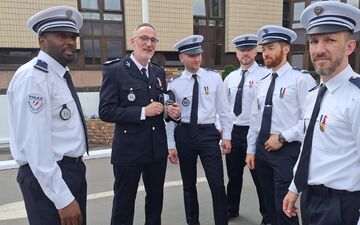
[64, 109]
[130, 94]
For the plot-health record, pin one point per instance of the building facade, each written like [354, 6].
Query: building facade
[109, 24]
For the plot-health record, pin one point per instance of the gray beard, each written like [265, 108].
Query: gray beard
[332, 68]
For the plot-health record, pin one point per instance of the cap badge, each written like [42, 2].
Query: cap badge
[69, 13]
[194, 40]
[318, 10]
[246, 38]
[266, 31]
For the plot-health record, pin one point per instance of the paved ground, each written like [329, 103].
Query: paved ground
[100, 180]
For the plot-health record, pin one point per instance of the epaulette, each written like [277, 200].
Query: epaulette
[41, 65]
[261, 65]
[209, 69]
[314, 88]
[112, 61]
[298, 69]
[265, 77]
[174, 77]
[155, 64]
[355, 81]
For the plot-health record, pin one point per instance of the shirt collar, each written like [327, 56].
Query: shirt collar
[53, 64]
[251, 68]
[188, 75]
[282, 70]
[339, 79]
[138, 65]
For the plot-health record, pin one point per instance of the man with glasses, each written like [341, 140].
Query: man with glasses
[129, 97]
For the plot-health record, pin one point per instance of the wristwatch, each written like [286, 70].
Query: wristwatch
[281, 138]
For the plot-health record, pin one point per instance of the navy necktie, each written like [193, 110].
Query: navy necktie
[302, 172]
[194, 108]
[143, 71]
[239, 93]
[78, 105]
[266, 118]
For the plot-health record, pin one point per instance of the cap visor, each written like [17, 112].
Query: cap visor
[246, 47]
[61, 29]
[193, 51]
[327, 28]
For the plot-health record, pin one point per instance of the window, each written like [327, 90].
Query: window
[89, 4]
[217, 8]
[102, 34]
[298, 8]
[199, 8]
[112, 5]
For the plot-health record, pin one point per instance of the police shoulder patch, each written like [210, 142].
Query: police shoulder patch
[42, 66]
[112, 61]
[355, 81]
[36, 102]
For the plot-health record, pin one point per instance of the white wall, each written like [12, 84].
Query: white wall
[89, 102]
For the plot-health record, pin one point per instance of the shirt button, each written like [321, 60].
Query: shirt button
[153, 128]
[149, 86]
[125, 131]
[151, 100]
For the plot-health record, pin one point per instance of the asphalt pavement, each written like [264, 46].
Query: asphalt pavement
[100, 182]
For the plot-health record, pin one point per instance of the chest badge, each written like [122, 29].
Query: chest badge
[282, 92]
[322, 122]
[206, 88]
[65, 112]
[131, 96]
[185, 102]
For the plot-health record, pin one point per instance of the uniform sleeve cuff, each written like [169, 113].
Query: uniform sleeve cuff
[226, 135]
[142, 117]
[64, 199]
[293, 188]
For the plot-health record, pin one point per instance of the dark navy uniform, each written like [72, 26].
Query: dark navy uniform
[139, 145]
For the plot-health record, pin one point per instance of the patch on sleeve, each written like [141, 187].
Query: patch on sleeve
[36, 102]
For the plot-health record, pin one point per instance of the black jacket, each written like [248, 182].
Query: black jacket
[124, 91]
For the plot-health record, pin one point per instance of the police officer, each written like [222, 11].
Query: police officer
[240, 86]
[47, 129]
[276, 129]
[201, 95]
[328, 169]
[129, 97]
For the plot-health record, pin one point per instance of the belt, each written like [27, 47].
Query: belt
[209, 125]
[65, 160]
[68, 160]
[321, 189]
[241, 126]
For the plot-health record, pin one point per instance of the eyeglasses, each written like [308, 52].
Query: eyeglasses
[145, 38]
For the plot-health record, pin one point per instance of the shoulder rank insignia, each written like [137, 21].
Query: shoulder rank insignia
[157, 65]
[314, 88]
[112, 61]
[41, 65]
[265, 76]
[355, 81]
[174, 77]
[300, 70]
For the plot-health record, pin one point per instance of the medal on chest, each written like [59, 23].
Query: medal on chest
[251, 83]
[206, 88]
[131, 96]
[322, 122]
[282, 92]
[65, 112]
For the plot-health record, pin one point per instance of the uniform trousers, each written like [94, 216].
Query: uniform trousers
[205, 145]
[235, 163]
[325, 206]
[40, 209]
[125, 190]
[275, 171]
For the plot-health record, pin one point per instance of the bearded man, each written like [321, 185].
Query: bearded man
[276, 123]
